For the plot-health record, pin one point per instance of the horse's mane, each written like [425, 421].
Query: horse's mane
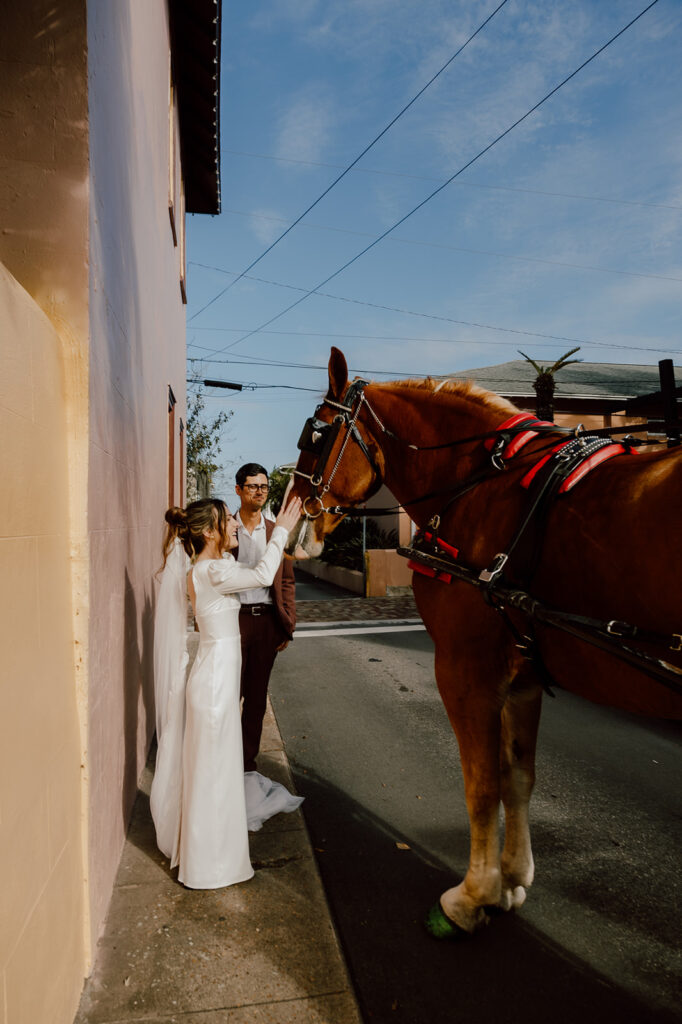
[465, 389]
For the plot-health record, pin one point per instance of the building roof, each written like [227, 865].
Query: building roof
[195, 46]
[609, 384]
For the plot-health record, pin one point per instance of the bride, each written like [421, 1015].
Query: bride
[202, 803]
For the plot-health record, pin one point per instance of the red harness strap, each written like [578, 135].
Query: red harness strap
[521, 439]
[530, 475]
[517, 442]
[591, 463]
[428, 570]
[583, 456]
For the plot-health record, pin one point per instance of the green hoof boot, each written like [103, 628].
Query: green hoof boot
[440, 926]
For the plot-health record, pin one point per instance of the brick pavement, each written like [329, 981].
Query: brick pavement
[357, 609]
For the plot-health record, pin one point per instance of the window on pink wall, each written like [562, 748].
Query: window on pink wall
[181, 464]
[176, 186]
[173, 157]
[171, 446]
[181, 243]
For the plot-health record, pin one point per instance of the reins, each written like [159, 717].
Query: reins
[605, 635]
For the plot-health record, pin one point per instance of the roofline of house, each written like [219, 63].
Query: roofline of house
[195, 27]
[572, 396]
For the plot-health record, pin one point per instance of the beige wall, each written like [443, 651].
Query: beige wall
[137, 327]
[41, 864]
[44, 547]
[85, 231]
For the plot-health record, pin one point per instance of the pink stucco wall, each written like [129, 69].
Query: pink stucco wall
[137, 326]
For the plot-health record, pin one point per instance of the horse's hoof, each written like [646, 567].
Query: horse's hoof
[439, 925]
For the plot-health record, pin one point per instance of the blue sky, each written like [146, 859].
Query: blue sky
[567, 231]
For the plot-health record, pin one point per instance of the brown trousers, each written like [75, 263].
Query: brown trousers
[261, 636]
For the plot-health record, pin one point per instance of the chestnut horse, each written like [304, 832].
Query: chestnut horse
[609, 548]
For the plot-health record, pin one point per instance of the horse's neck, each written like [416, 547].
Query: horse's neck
[422, 417]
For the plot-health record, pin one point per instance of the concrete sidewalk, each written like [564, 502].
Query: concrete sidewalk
[262, 952]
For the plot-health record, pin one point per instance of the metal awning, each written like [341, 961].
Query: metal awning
[195, 47]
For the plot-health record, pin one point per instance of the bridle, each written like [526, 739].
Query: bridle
[319, 437]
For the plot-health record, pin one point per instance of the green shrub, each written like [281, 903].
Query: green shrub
[344, 546]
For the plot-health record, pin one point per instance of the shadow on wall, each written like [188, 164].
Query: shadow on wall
[43, 195]
[124, 292]
[138, 683]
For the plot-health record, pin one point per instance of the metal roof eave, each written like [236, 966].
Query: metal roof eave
[195, 27]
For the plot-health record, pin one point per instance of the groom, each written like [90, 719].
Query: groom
[268, 614]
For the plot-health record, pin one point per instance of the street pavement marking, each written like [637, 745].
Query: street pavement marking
[361, 630]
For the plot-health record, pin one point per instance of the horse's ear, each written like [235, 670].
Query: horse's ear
[338, 373]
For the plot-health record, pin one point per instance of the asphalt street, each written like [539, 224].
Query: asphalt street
[373, 753]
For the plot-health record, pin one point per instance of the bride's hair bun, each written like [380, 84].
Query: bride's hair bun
[189, 525]
[177, 517]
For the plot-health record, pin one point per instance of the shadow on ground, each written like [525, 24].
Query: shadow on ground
[379, 894]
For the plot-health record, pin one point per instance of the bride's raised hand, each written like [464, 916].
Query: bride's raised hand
[290, 515]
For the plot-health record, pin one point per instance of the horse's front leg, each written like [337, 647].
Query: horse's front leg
[520, 720]
[474, 711]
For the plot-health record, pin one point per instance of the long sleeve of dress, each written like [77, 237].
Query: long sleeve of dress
[229, 577]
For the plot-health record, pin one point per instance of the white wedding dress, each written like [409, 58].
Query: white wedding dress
[202, 802]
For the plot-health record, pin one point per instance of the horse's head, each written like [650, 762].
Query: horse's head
[340, 463]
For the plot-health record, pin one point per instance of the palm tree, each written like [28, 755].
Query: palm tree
[544, 383]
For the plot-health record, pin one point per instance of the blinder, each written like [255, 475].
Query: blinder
[319, 437]
[315, 434]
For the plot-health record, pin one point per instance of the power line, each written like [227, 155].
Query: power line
[460, 375]
[421, 340]
[252, 386]
[412, 312]
[356, 160]
[463, 184]
[432, 195]
[280, 364]
[459, 248]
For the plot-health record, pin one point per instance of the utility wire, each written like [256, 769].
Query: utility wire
[442, 341]
[279, 364]
[564, 388]
[460, 375]
[463, 184]
[412, 312]
[459, 248]
[432, 195]
[357, 160]
[252, 386]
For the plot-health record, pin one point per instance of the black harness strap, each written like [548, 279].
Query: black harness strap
[607, 636]
[558, 469]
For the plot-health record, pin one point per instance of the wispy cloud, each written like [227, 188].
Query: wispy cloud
[266, 224]
[304, 129]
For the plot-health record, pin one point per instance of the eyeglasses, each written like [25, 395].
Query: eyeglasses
[256, 487]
